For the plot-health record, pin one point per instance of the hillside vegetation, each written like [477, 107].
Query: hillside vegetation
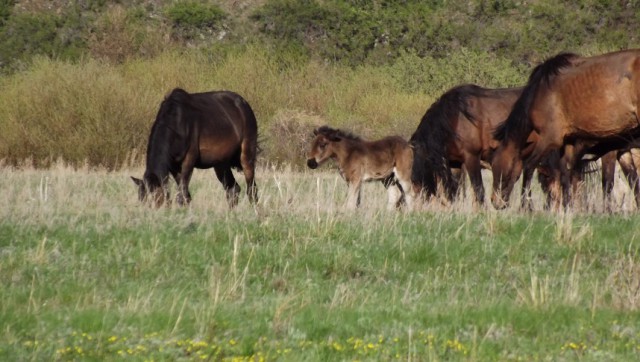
[82, 80]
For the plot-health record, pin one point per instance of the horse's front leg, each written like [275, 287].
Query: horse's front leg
[474, 169]
[525, 194]
[183, 196]
[567, 167]
[353, 196]
[183, 178]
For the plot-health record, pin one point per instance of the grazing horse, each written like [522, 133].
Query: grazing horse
[457, 131]
[573, 104]
[201, 130]
[388, 160]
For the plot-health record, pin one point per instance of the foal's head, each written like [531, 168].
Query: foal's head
[323, 145]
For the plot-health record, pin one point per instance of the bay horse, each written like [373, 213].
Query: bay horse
[388, 160]
[457, 132]
[200, 130]
[573, 104]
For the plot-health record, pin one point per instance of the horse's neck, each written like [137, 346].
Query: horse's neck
[159, 152]
[343, 149]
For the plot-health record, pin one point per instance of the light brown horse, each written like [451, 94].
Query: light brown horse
[388, 160]
[572, 104]
[200, 130]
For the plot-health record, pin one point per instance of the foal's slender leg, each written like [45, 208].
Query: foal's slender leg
[229, 183]
[353, 196]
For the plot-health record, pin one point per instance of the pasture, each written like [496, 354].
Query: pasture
[87, 273]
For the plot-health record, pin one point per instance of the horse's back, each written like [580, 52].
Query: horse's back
[598, 95]
[214, 123]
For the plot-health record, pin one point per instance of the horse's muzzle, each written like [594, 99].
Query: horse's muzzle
[312, 163]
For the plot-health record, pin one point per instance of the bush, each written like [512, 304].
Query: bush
[195, 15]
[121, 34]
[433, 76]
[6, 7]
[28, 35]
[288, 137]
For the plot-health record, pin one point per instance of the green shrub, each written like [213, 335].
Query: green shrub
[26, 35]
[350, 32]
[191, 14]
[6, 8]
[429, 75]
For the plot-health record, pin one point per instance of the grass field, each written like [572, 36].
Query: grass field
[87, 273]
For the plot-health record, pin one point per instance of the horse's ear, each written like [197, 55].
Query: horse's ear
[137, 181]
[315, 132]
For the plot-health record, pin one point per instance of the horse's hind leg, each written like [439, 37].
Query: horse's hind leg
[248, 162]
[394, 193]
[229, 183]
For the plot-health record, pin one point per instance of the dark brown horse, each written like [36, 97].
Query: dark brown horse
[388, 160]
[572, 104]
[201, 130]
[457, 131]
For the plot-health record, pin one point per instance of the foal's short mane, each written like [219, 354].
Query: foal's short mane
[328, 131]
[517, 126]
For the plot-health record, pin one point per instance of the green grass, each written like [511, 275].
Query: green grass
[89, 274]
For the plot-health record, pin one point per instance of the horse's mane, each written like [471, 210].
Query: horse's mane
[433, 134]
[163, 128]
[517, 126]
[328, 131]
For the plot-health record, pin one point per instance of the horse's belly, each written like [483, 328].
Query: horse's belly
[372, 175]
[212, 158]
[606, 126]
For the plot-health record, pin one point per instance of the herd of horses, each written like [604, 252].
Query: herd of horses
[573, 111]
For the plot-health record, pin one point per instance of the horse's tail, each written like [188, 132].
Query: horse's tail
[430, 140]
[517, 126]
[250, 145]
